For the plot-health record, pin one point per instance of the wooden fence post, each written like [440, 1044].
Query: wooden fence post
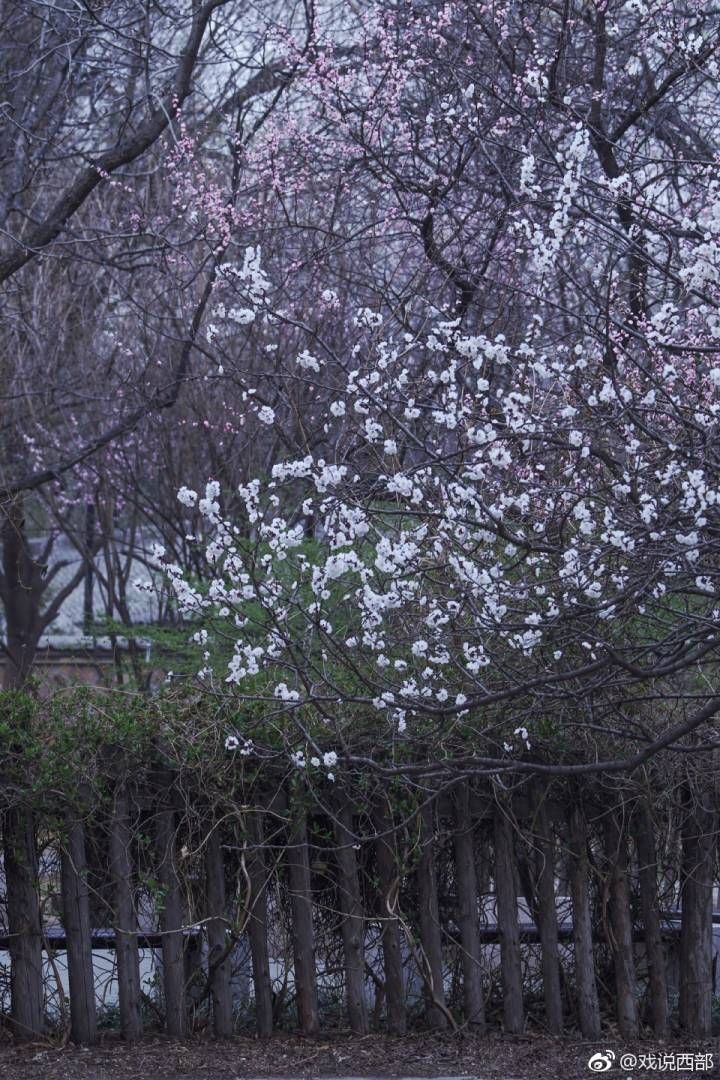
[652, 930]
[585, 983]
[429, 918]
[171, 922]
[127, 952]
[353, 922]
[219, 962]
[298, 864]
[23, 913]
[389, 887]
[547, 922]
[257, 926]
[78, 935]
[507, 921]
[699, 841]
[621, 928]
[467, 908]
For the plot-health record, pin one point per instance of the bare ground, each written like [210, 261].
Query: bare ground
[418, 1055]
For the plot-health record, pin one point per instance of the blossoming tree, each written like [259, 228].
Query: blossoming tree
[502, 543]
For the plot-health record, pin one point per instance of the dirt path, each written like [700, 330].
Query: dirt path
[421, 1055]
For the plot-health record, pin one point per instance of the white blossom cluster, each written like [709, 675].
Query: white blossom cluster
[520, 527]
[495, 515]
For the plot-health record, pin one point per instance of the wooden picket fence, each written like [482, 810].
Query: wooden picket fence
[557, 906]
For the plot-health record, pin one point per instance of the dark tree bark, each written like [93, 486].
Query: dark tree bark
[389, 886]
[24, 583]
[126, 943]
[698, 866]
[258, 928]
[298, 864]
[621, 935]
[468, 915]
[585, 983]
[21, 590]
[23, 914]
[171, 922]
[89, 583]
[507, 919]
[219, 964]
[78, 932]
[429, 918]
[547, 922]
[353, 921]
[652, 930]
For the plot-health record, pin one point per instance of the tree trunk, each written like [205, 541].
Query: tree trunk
[389, 886]
[621, 935]
[547, 923]
[654, 950]
[219, 964]
[298, 863]
[89, 583]
[430, 933]
[171, 922]
[21, 588]
[78, 933]
[698, 864]
[258, 928]
[20, 591]
[585, 984]
[353, 922]
[23, 915]
[126, 943]
[507, 920]
[468, 915]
